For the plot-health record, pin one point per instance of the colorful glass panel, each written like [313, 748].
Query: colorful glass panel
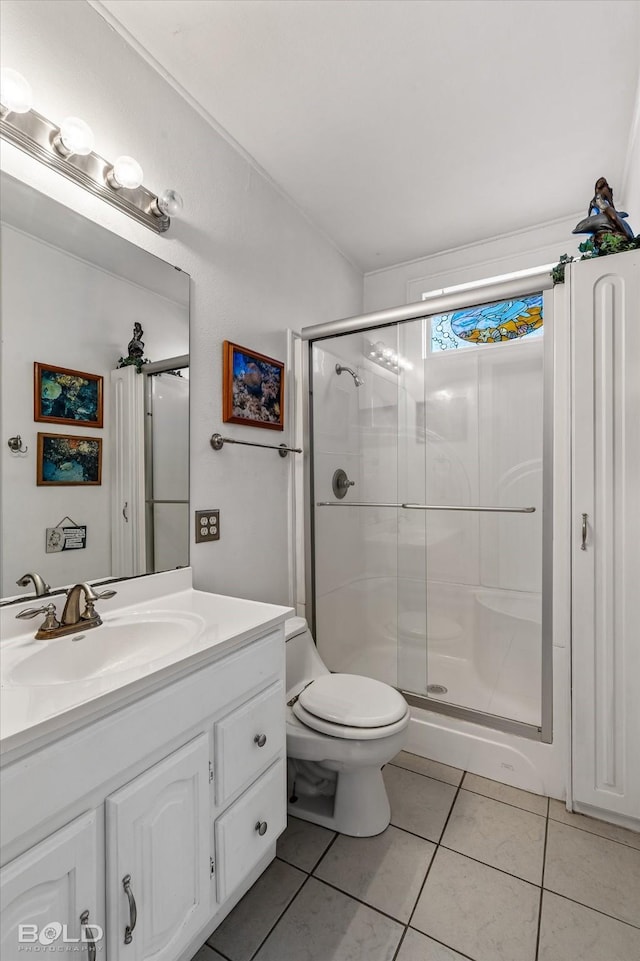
[488, 323]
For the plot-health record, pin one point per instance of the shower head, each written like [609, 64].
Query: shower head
[358, 381]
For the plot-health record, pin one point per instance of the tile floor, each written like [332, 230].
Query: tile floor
[468, 869]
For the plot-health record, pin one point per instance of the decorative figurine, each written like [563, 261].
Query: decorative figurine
[136, 350]
[603, 220]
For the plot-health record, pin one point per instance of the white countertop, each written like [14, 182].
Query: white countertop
[33, 716]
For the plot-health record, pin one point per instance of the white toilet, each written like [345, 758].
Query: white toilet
[341, 730]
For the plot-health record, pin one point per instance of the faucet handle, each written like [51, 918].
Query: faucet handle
[104, 595]
[50, 622]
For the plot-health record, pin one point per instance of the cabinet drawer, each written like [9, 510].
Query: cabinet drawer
[239, 758]
[239, 844]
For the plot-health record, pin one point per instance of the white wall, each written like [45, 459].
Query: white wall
[60, 310]
[532, 247]
[257, 265]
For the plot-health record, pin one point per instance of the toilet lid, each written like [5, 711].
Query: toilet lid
[343, 732]
[353, 701]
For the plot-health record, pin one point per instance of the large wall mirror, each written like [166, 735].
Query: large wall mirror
[79, 501]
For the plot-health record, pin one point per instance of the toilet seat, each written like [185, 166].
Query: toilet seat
[351, 706]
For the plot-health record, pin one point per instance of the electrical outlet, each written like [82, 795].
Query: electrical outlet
[207, 526]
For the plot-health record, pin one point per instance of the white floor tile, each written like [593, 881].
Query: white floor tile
[597, 872]
[386, 871]
[535, 803]
[418, 804]
[571, 932]
[481, 912]
[418, 947]
[323, 924]
[242, 931]
[498, 834]
[558, 811]
[423, 765]
[303, 843]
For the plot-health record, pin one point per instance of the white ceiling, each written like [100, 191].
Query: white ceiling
[405, 127]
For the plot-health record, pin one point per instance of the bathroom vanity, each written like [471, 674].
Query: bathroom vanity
[146, 796]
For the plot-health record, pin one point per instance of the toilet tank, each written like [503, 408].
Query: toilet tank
[303, 661]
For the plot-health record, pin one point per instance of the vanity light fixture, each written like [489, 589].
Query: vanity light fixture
[69, 150]
[74, 137]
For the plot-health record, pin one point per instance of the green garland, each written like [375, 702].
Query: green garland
[611, 244]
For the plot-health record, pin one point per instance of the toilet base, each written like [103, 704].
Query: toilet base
[359, 808]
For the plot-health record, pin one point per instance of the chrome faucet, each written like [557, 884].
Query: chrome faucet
[71, 616]
[72, 620]
[41, 587]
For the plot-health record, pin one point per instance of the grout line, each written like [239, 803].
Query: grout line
[431, 776]
[508, 803]
[604, 837]
[444, 945]
[324, 853]
[589, 907]
[544, 864]
[437, 843]
[492, 866]
[354, 897]
[402, 937]
[279, 918]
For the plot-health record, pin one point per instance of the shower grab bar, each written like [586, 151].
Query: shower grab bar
[429, 507]
[217, 441]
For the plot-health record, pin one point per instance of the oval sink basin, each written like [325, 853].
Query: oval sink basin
[122, 643]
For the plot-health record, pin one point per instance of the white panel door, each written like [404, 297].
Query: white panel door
[158, 851]
[48, 890]
[605, 311]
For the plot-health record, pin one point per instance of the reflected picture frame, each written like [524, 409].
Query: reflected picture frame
[68, 460]
[65, 396]
[252, 388]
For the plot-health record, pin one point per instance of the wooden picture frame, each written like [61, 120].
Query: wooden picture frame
[69, 460]
[65, 396]
[252, 388]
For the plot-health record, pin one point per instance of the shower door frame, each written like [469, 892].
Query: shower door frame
[535, 281]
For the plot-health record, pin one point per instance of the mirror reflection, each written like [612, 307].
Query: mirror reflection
[95, 384]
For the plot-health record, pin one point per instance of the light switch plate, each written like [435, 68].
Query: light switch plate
[207, 526]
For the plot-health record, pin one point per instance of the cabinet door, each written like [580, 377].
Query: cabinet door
[158, 839]
[47, 890]
[605, 309]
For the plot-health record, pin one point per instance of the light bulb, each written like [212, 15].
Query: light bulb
[15, 92]
[126, 172]
[170, 203]
[74, 137]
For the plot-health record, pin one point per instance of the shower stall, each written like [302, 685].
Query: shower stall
[428, 497]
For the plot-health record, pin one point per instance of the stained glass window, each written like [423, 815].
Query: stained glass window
[488, 323]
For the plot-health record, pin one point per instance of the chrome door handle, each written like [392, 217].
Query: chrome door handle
[133, 911]
[260, 740]
[91, 944]
[583, 545]
[261, 828]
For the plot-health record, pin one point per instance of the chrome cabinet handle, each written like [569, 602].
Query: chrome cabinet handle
[261, 828]
[260, 740]
[91, 944]
[133, 911]
[583, 546]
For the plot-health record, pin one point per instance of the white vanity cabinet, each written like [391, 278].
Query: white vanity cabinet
[158, 865]
[155, 817]
[51, 891]
[605, 328]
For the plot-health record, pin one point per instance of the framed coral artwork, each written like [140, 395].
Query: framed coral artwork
[64, 396]
[253, 388]
[66, 460]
